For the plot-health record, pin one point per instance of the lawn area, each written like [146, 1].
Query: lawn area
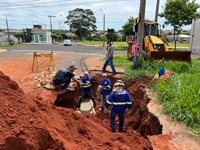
[123, 45]
[179, 96]
[15, 45]
[179, 45]
[117, 45]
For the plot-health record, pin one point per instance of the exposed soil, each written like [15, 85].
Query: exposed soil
[31, 121]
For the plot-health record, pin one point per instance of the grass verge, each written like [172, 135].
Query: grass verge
[15, 45]
[179, 95]
[117, 45]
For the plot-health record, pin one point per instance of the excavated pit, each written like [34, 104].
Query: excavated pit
[140, 120]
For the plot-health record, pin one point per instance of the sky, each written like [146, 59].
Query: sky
[26, 13]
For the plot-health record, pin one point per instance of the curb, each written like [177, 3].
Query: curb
[3, 50]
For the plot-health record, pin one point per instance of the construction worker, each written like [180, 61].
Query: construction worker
[109, 59]
[87, 89]
[105, 90]
[64, 76]
[120, 101]
[135, 53]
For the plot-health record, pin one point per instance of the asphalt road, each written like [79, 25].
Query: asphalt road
[59, 47]
[74, 52]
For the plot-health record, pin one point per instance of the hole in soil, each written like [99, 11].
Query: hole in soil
[139, 120]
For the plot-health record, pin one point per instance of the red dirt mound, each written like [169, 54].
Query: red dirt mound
[29, 123]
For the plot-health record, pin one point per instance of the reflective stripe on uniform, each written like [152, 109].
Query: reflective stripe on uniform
[109, 102]
[119, 103]
[107, 88]
[85, 86]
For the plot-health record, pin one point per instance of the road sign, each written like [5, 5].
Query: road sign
[111, 30]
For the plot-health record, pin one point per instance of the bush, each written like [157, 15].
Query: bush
[11, 42]
[96, 39]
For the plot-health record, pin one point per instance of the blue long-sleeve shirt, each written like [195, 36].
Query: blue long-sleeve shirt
[106, 86]
[120, 101]
[87, 81]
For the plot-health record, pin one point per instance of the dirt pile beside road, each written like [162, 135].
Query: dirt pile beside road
[31, 123]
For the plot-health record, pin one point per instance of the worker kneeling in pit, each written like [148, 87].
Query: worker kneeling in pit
[86, 90]
[120, 100]
[64, 76]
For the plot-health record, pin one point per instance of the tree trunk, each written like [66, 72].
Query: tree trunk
[18, 40]
[174, 39]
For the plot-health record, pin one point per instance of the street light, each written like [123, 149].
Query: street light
[103, 26]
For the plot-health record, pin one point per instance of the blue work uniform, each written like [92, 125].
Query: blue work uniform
[87, 89]
[106, 84]
[119, 101]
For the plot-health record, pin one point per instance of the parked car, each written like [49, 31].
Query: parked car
[67, 43]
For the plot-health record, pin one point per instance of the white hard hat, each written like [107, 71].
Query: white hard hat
[86, 72]
[104, 75]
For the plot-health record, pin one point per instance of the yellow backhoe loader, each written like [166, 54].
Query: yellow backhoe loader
[154, 45]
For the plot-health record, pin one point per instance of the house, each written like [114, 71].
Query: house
[40, 35]
[4, 35]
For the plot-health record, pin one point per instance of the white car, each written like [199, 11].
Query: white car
[67, 43]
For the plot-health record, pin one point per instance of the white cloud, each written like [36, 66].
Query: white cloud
[22, 14]
[61, 15]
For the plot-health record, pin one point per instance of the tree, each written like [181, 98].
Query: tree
[179, 13]
[128, 27]
[19, 35]
[112, 36]
[82, 21]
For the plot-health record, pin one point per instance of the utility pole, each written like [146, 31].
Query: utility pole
[157, 9]
[44, 27]
[103, 27]
[8, 30]
[51, 25]
[140, 36]
[59, 27]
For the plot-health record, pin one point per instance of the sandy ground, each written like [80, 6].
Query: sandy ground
[175, 135]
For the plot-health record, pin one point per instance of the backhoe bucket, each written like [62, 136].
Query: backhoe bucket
[176, 56]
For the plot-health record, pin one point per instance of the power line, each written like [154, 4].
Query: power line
[38, 4]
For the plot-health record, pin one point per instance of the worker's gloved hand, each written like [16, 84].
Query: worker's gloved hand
[127, 111]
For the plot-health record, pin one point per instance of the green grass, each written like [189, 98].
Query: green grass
[117, 45]
[15, 45]
[123, 45]
[179, 95]
[179, 45]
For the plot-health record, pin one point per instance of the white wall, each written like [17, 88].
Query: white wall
[5, 37]
[37, 35]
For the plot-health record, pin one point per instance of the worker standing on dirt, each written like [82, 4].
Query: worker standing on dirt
[120, 99]
[86, 89]
[105, 84]
[109, 59]
[135, 53]
[64, 76]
